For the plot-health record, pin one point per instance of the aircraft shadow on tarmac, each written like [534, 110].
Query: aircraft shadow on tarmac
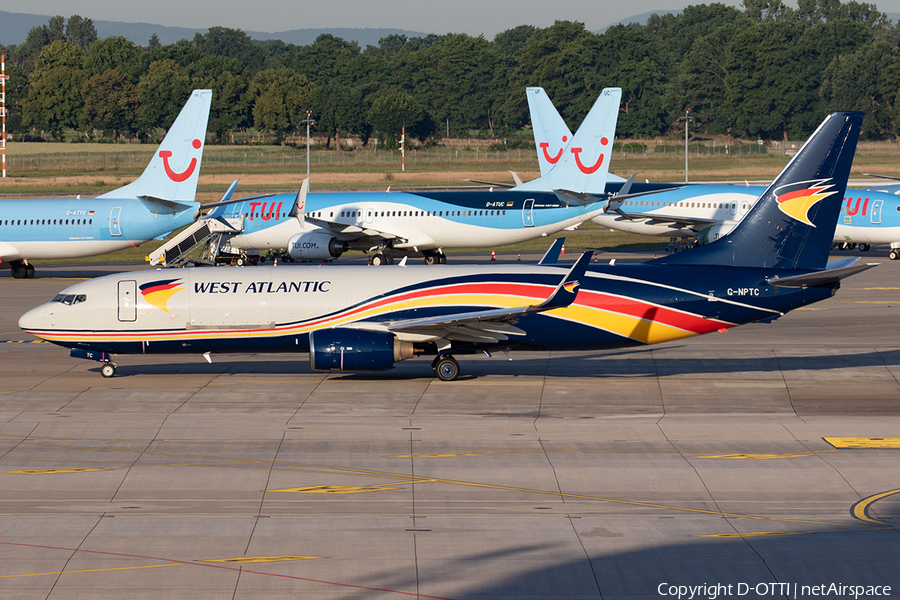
[636, 363]
[857, 558]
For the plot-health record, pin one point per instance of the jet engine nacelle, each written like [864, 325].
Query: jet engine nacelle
[714, 232]
[346, 349]
[315, 245]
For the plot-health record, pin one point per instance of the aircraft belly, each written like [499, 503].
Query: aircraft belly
[260, 235]
[872, 234]
[9, 252]
[71, 248]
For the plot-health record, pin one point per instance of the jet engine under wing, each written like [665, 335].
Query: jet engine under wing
[492, 326]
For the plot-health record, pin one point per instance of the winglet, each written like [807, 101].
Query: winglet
[551, 256]
[299, 209]
[567, 290]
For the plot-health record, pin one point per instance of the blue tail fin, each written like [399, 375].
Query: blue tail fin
[584, 163]
[173, 171]
[551, 135]
[792, 224]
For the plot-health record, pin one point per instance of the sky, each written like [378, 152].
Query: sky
[474, 17]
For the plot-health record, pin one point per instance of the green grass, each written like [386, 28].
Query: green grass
[587, 237]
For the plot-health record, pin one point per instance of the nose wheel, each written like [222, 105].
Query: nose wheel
[445, 367]
[108, 369]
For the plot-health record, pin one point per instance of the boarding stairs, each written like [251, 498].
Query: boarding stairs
[176, 252]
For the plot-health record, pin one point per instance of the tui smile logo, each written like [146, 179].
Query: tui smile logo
[157, 293]
[184, 175]
[797, 203]
[586, 169]
[553, 159]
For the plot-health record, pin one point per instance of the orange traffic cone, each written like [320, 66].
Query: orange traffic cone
[563, 249]
[493, 255]
[276, 262]
[595, 259]
[519, 257]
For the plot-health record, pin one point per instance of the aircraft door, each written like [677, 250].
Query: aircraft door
[370, 216]
[732, 208]
[128, 301]
[115, 228]
[528, 213]
[876, 212]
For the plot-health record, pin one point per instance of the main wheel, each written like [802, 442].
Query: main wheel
[108, 370]
[894, 254]
[442, 259]
[864, 247]
[378, 260]
[29, 272]
[431, 259]
[446, 368]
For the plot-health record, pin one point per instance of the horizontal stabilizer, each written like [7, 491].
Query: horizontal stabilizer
[575, 198]
[836, 271]
[165, 206]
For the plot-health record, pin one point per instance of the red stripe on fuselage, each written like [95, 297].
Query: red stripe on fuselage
[650, 312]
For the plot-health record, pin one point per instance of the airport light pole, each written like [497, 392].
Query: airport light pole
[686, 118]
[3, 78]
[309, 121]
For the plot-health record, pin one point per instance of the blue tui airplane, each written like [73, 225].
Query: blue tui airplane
[159, 201]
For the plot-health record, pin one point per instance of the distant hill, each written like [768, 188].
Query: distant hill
[14, 28]
[640, 19]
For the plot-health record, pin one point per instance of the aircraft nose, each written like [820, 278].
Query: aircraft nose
[36, 318]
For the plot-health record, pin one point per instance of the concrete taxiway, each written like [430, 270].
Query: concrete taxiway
[766, 457]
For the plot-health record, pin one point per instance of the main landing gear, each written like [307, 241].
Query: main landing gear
[445, 367]
[382, 259]
[21, 269]
[436, 258]
[108, 369]
[894, 254]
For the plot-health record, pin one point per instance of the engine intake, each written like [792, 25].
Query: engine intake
[315, 245]
[345, 349]
[714, 232]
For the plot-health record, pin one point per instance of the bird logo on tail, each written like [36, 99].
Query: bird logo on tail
[797, 203]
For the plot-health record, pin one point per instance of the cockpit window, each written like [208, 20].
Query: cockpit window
[70, 299]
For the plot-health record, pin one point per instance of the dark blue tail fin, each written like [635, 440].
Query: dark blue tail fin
[792, 224]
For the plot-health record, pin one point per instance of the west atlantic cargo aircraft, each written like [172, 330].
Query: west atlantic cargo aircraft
[351, 318]
[709, 211]
[388, 223]
[159, 201]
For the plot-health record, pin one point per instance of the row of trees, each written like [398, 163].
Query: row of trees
[767, 71]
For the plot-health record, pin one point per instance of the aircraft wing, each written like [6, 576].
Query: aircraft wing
[342, 231]
[674, 221]
[492, 326]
